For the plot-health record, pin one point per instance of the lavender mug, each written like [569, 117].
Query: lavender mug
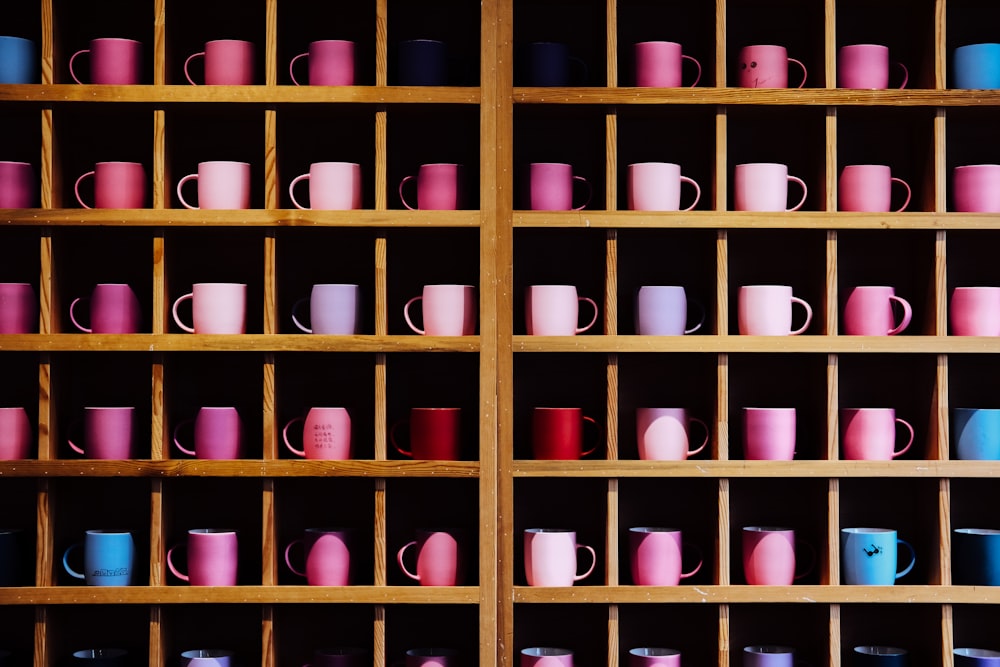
[662, 310]
[333, 309]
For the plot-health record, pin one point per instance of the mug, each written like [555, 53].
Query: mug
[766, 66]
[326, 434]
[975, 559]
[768, 656]
[550, 64]
[976, 657]
[879, 656]
[333, 186]
[977, 188]
[439, 560]
[218, 434]
[431, 657]
[769, 434]
[440, 187]
[334, 309]
[654, 657]
[207, 657]
[216, 308]
[328, 557]
[976, 434]
[18, 61]
[656, 557]
[868, 188]
[448, 310]
[866, 66]
[868, 312]
[15, 434]
[656, 186]
[550, 186]
[212, 557]
[435, 434]
[662, 310]
[658, 65]
[18, 308]
[769, 556]
[554, 310]
[546, 656]
[18, 188]
[869, 556]
[116, 185]
[663, 434]
[977, 66]
[339, 657]
[108, 558]
[423, 62]
[114, 309]
[101, 657]
[113, 61]
[557, 434]
[222, 184]
[107, 433]
[331, 63]
[763, 187]
[228, 62]
[550, 557]
[869, 434]
[766, 310]
[975, 311]
[15, 558]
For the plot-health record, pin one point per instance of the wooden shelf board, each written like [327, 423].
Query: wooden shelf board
[237, 468]
[739, 469]
[775, 344]
[234, 343]
[147, 217]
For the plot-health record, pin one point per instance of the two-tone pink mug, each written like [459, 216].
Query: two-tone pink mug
[550, 557]
[869, 434]
[331, 63]
[554, 310]
[868, 188]
[766, 66]
[866, 66]
[116, 185]
[448, 310]
[658, 65]
[326, 434]
[868, 311]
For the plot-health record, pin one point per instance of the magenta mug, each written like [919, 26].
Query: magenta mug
[551, 187]
[113, 61]
[554, 310]
[869, 434]
[327, 556]
[439, 560]
[448, 310]
[974, 311]
[222, 184]
[114, 309]
[116, 185]
[333, 309]
[440, 187]
[658, 65]
[977, 188]
[107, 433]
[431, 657]
[766, 66]
[546, 656]
[868, 188]
[868, 312]
[656, 186]
[15, 434]
[218, 434]
[763, 187]
[550, 557]
[326, 434]
[216, 308]
[18, 308]
[212, 557]
[654, 657]
[655, 556]
[663, 434]
[228, 62]
[768, 434]
[766, 310]
[662, 310]
[769, 556]
[331, 63]
[333, 186]
[17, 185]
[866, 66]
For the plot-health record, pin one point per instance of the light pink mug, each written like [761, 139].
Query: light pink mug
[15, 434]
[768, 434]
[440, 187]
[212, 557]
[766, 66]
[977, 188]
[550, 557]
[333, 186]
[328, 556]
[114, 309]
[658, 65]
[116, 185]
[228, 62]
[546, 656]
[869, 434]
[222, 184]
[439, 559]
[18, 188]
[656, 557]
[866, 66]
[331, 63]
[551, 187]
[663, 434]
[448, 310]
[766, 310]
[654, 657]
[975, 311]
[662, 310]
[216, 308]
[868, 311]
[113, 61]
[554, 310]
[326, 434]
[18, 308]
[868, 188]
[769, 556]
[108, 433]
[656, 186]
[763, 187]
[218, 434]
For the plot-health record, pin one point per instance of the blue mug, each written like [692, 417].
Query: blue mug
[976, 433]
[18, 63]
[977, 66]
[423, 62]
[550, 64]
[975, 557]
[879, 656]
[868, 556]
[108, 558]
[976, 657]
[13, 557]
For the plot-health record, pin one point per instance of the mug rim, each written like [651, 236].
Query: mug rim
[868, 409]
[865, 44]
[217, 41]
[977, 653]
[15, 162]
[561, 164]
[992, 287]
[107, 531]
[965, 46]
[768, 649]
[768, 46]
[431, 652]
[421, 39]
[17, 284]
[217, 407]
[208, 653]
[748, 409]
[653, 652]
[657, 41]
[768, 529]
[549, 407]
[106, 653]
[866, 164]
[977, 531]
[429, 409]
[977, 409]
[350, 164]
[758, 164]
[329, 529]
[232, 284]
[549, 530]
[211, 531]
[337, 41]
[117, 162]
[109, 407]
[742, 287]
[975, 166]
[115, 39]
[23, 39]
[442, 164]
[637, 164]
[223, 161]
[862, 530]
[450, 285]
[879, 650]
[654, 529]
[545, 651]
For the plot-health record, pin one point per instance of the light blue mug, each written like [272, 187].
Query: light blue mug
[868, 556]
[18, 63]
[108, 558]
[976, 433]
[977, 66]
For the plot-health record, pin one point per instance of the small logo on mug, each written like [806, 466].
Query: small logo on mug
[111, 572]
[874, 550]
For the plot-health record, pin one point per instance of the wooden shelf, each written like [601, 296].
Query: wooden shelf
[250, 218]
[239, 468]
[764, 344]
[706, 469]
[60, 595]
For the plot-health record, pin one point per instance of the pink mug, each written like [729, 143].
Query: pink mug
[333, 186]
[656, 557]
[212, 557]
[331, 63]
[663, 434]
[763, 187]
[228, 62]
[440, 187]
[107, 433]
[868, 188]
[654, 657]
[554, 310]
[435, 434]
[557, 434]
[656, 186]
[977, 188]
[448, 310]
[216, 308]
[221, 185]
[18, 188]
[769, 556]
[431, 657]
[18, 308]
[328, 557]
[550, 557]
[546, 656]
[658, 65]
[768, 434]
[326, 434]
[218, 434]
[15, 434]
[869, 434]
[114, 309]
[439, 559]
[113, 61]
[551, 187]
[116, 185]
[766, 66]
[662, 310]
[974, 311]
[868, 312]
[866, 66]
[766, 310]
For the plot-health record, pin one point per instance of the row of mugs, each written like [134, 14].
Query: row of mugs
[328, 657]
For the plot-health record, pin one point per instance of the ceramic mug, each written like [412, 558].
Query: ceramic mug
[18, 187]
[550, 557]
[435, 434]
[326, 434]
[108, 558]
[766, 66]
[222, 184]
[440, 187]
[975, 559]
[114, 309]
[333, 186]
[423, 62]
[866, 66]
[113, 61]
[976, 657]
[766, 310]
[439, 560]
[976, 188]
[212, 557]
[769, 434]
[550, 185]
[976, 433]
[656, 186]
[339, 657]
[15, 434]
[216, 308]
[557, 434]
[662, 310]
[331, 63]
[769, 556]
[333, 309]
[868, 188]
[108, 433]
[763, 187]
[878, 656]
[654, 657]
[656, 557]
[15, 558]
[431, 657]
[207, 657]
[975, 311]
[327, 556]
[868, 311]
[551, 65]
[768, 656]
[869, 557]
[663, 434]
[100, 657]
[18, 308]
[869, 434]
[448, 310]
[546, 656]
[218, 434]
[554, 310]
[228, 62]
[18, 60]
[658, 65]
[977, 66]
[116, 185]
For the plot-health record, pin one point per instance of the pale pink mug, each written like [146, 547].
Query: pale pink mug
[869, 434]
[554, 310]
[654, 657]
[116, 185]
[222, 184]
[331, 63]
[766, 66]
[113, 61]
[550, 557]
[439, 560]
[662, 310]
[216, 308]
[551, 187]
[977, 188]
[658, 65]
[17, 185]
[766, 310]
[18, 308]
[656, 186]
[975, 311]
[763, 187]
[656, 556]
[333, 186]
[663, 434]
[866, 66]
[114, 309]
[769, 556]
[868, 311]
[326, 434]
[108, 433]
[212, 557]
[15, 434]
[440, 187]
[328, 556]
[448, 310]
[218, 434]
[228, 62]
[868, 188]
[768, 434]
[546, 656]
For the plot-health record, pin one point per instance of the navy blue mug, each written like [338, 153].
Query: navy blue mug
[975, 559]
[550, 64]
[976, 657]
[18, 63]
[100, 657]
[13, 557]
[878, 656]
[423, 62]
[977, 66]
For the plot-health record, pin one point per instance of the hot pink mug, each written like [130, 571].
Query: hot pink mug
[654, 657]
[557, 434]
[554, 310]
[15, 434]
[868, 188]
[656, 557]
[546, 656]
[766, 66]
[866, 66]
[113, 61]
[974, 311]
[448, 310]
[107, 433]
[977, 188]
[18, 308]
[116, 185]
[869, 434]
[550, 557]
[216, 308]
[658, 65]
[435, 434]
[221, 185]
[763, 187]
[551, 187]
[333, 186]
[212, 557]
[439, 559]
[17, 185]
[328, 557]
[656, 186]
[868, 312]
[766, 310]
[228, 62]
[331, 63]
[431, 657]
[326, 434]
[114, 309]
[440, 187]
[218, 434]
[769, 556]
[769, 434]
[663, 434]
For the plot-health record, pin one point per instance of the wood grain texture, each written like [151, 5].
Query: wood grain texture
[940, 569]
[797, 97]
[830, 558]
[271, 42]
[126, 218]
[237, 468]
[234, 343]
[704, 469]
[723, 545]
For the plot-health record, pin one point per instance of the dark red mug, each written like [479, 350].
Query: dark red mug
[557, 434]
[435, 434]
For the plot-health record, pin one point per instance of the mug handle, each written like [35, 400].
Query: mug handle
[804, 72]
[200, 54]
[72, 58]
[913, 558]
[291, 73]
[76, 189]
[697, 192]
[177, 319]
[599, 431]
[177, 442]
[593, 563]
[72, 318]
[907, 314]
[180, 196]
[703, 442]
[590, 192]
[906, 76]
[697, 568]
[401, 197]
[696, 80]
[812, 559]
[392, 438]
[701, 320]
[170, 563]
[288, 561]
[583, 68]
[399, 559]
[805, 192]
[908, 193]
[72, 427]
[908, 444]
[295, 309]
[65, 561]
[406, 315]
[299, 452]
[593, 320]
[291, 187]
[809, 315]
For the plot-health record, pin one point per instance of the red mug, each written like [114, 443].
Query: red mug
[557, 434]
[435, 434]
